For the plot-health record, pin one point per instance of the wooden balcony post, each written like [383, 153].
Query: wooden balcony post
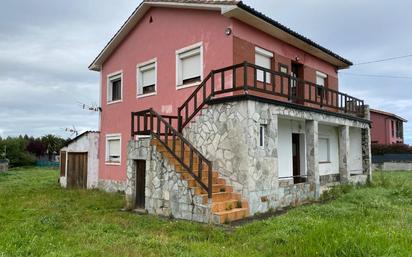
[245, 85]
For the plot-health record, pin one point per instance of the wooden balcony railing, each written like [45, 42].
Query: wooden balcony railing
[247, 78]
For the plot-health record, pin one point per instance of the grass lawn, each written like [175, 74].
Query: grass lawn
[38, 218]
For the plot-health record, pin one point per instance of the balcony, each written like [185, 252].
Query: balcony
[252, 80]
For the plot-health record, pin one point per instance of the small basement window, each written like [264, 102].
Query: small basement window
[283, 68]
[189, 65]
[147, 78]
[114, 87]
[262, 136]
[263, 58]
[113, 149]
[324, 150]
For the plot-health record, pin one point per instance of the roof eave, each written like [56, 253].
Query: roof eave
[256, 19]
[238, 11]
[135, 17]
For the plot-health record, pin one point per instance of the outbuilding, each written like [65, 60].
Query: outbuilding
[79, 162]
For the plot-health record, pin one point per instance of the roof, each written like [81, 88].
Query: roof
[388, 114]
[231, 9]
[80, 136]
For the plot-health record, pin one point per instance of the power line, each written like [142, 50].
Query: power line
[384, 60]
[376, 76]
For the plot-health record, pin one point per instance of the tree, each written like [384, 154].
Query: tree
[16, 151]
[36, 147]
[53, 144]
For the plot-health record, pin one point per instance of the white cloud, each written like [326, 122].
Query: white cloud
[46, 46]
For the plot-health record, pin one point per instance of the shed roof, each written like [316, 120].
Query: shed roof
[80, 136]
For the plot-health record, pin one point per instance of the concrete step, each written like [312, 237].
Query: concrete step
[193, 183]
[221, 197]
[229, 205]
[216, 188]
[232, 215]
[187, 176]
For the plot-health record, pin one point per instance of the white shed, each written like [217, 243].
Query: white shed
[79, 162]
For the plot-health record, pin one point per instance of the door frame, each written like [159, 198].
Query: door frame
[297, 69]
[298, 160]
[72, 174]
[140, 184]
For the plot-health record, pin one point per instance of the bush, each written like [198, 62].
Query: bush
[24, 150]
[378, 149]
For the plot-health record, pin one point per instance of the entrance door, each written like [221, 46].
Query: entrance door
[140, 183]
[296, 158]
[297, 87]
[77, 170]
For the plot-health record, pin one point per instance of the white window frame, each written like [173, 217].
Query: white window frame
[110, 78]
[139, 81]
[267, 54]
[327, 150]
[113, 137]
[323, 76]
[179, 83]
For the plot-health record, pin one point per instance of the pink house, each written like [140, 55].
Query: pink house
[387, 128]
[212, 111]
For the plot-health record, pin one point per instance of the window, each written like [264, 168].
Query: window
[263, 58]
[393, 128]
[321, 82]
[262, 136]
[147, 78]
[283, 68]
[189, 65]
[113, 149]
[324, 150]
[114, 87]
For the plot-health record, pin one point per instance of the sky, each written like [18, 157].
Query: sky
[46, 47]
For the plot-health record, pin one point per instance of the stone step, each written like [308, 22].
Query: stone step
[231, 215]
[229, 205]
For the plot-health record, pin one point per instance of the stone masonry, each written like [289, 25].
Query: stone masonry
[166, 194]
[228, 134]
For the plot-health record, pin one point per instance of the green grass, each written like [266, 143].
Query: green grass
[37, 218]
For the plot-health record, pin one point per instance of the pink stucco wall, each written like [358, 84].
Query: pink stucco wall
[284, 50]
[381, 131]
[171, 30]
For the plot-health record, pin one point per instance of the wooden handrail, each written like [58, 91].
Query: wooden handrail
[158, 126]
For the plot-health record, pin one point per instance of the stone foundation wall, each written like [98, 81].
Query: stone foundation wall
[327, 179]
[294, 195]
[358, 179]
[228, 135]
[166, 194]
[111, 186]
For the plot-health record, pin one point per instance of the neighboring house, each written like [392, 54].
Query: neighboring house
[79, 161]
[387, 128]
[212, 112]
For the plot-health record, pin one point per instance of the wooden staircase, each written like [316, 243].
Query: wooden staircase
[226, 205]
